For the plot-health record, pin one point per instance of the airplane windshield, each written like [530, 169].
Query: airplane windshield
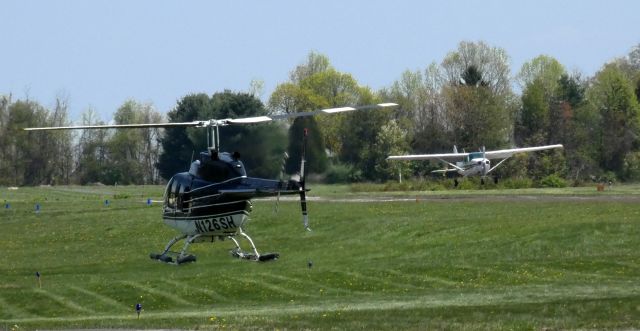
[477, 155]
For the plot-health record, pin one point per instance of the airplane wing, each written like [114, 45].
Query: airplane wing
[444, 171]
[439, 157]
[505, 153]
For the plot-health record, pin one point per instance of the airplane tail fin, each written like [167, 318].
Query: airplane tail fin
[455, 149]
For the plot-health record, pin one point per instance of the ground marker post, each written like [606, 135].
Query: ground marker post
[138, 309]
[39, 280]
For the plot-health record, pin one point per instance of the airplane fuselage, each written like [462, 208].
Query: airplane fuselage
[475, 167]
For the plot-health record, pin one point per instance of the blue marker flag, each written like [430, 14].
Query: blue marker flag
[148, 202]
[37, 207]
[106, 202]
[37, 274]
[138, 307]
[7, 206]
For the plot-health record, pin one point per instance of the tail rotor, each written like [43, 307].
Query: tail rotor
[284, 162]
[303, 191]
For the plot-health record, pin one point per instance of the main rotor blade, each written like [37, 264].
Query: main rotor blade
[122, 126]
[260, 119]
[214, 122]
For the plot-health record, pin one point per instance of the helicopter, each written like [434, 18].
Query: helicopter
[212, 200]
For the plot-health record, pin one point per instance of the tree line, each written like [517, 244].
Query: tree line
[469, 100]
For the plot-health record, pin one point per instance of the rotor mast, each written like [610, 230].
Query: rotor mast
[213, 136]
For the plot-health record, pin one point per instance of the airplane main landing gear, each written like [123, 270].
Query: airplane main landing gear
[255, 256]
[170, 257]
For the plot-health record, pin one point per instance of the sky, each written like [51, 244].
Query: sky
[98, 54]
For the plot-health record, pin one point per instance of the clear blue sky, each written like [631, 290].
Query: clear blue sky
[101, 52]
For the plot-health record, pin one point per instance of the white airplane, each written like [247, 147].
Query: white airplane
[470, 164]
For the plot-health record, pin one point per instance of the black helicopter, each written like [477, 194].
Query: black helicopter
[212, 201]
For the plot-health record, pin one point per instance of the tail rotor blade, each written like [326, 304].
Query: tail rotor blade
[284, 161]
[303, 191]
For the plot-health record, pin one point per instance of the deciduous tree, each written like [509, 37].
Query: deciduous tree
[613, 96]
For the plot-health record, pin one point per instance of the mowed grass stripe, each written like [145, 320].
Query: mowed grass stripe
[379, 280]
[184, 286]
[319, 286]
[12, 309]
[102, 298]
[159, 293]
[424, 277]
[278, 289]
[508, 296]
[63, 301]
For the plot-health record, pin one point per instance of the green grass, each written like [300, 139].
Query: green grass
[544, 260]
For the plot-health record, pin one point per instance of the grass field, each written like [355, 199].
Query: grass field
[508, 259]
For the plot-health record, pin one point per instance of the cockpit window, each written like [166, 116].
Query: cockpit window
[171, 193]
[179, 196]
[476, 155]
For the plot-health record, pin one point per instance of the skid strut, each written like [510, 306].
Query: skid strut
[255, 256]
[169, 256]
[172, 257]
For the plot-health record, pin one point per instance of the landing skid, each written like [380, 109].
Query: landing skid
[255, 256]
[177, 258]
[249, 256]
